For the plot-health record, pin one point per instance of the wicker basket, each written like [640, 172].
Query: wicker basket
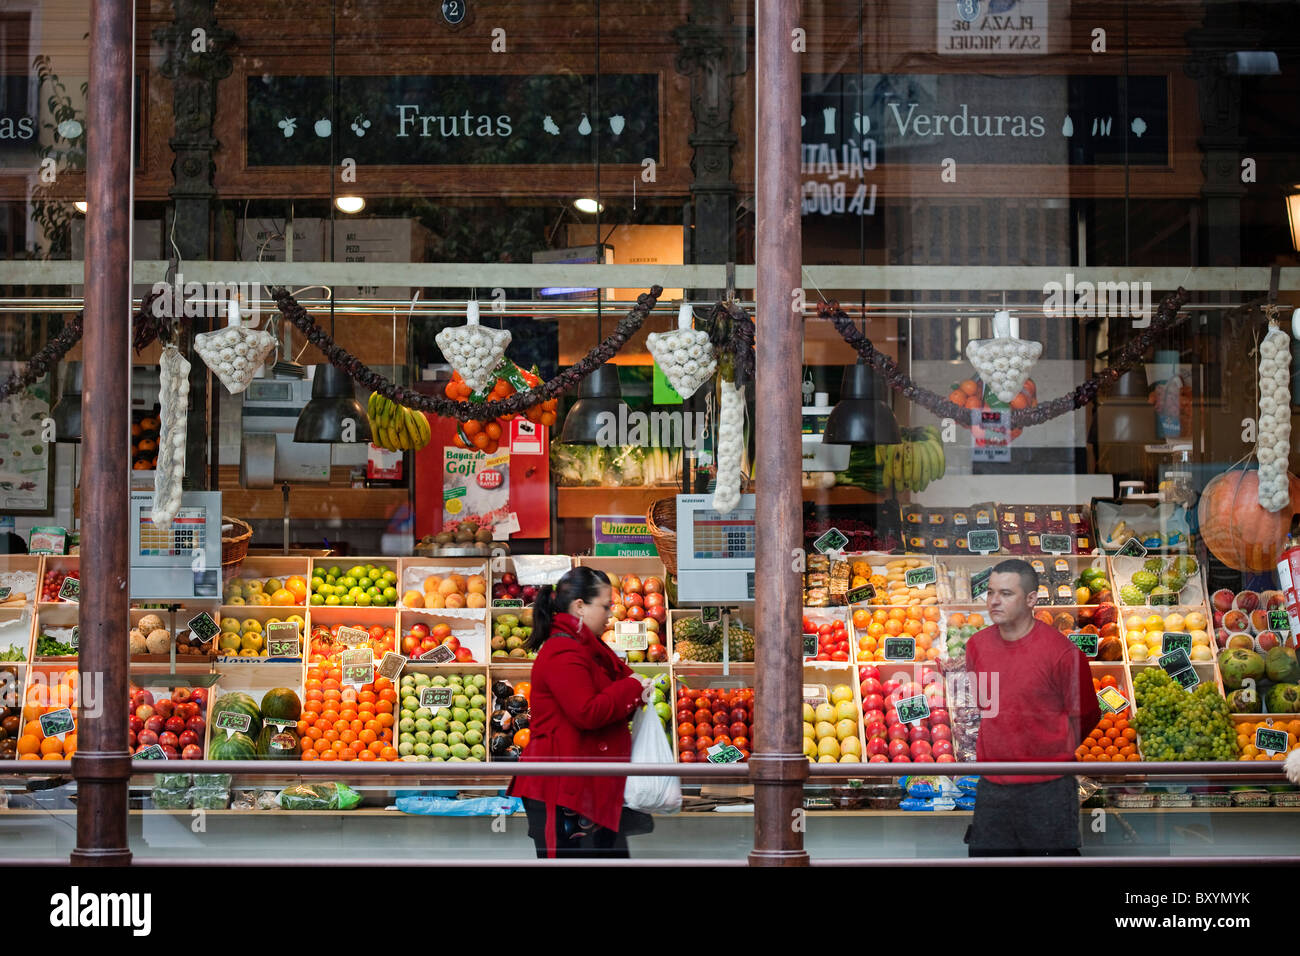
[662, 521]
[235, 548]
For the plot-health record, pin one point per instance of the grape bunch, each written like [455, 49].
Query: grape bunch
[1176, 725]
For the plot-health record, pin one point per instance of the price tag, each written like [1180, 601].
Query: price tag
[203, 628]
[631, 636]
[1174, 661]
[442, 654]
[979, 583]
[913, 709]
[1056, 544]
[1132, 548]
[507, 602]
[153, 752]
[920, 577]
[60, 722]
[4, 593]
[900, 649]
[391, 666]
[1112, 701]
[71, 590]
[1188, 678]
[358, 666]
[1084, 642]
[436, 698]
[814, 695]
[810, 645]
[352, 636]
[283, 639]
[1278, 620]
[1176, 641]
[723, 753]
[1270, 740]
[983, 542]
[75, 640]
[232, 723]
[832, 540]
[711, 614]
[861, 595]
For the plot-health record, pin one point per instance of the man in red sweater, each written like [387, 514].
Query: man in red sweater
[1037, 702]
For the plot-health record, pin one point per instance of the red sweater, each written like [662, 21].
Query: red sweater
[1035, 695]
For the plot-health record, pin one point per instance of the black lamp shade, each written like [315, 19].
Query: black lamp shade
[333, 402]
[860, 417]
[599, 395]
[67, 410]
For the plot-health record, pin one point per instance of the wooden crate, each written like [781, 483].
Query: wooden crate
[63, 615]
[472, 632]
[701, 676]
[415, 667]
[828, 675]
[642, 567]
[412, 573]
[22, 574]
[68, 563]
[23, 622]
[176, 623]
[525, 614]
[745, 615]
[263, 568]
[262, 614]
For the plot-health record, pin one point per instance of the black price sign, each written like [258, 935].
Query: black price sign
[442, 654]
[353, 635]
[1132, 548]
[1278, 620]
[810, 645]
[1174, 661]
[860, 595]
[1188, 678]
[153, 752]
[75, 641]
[507, 602]
[4, 593]
[435, 698]
[723, 753]
[900, 648]
[832, 540]
[920, 577]
[979, 583]
[1084, 642]
[711, 614]
[983, 542]
[391, 666]
[912, 709]
[1176, 641]
[203, 628]
[71, 590]
[60, 722]
[282, 639]
[1270, 739]
[1056, 544]
[358, 666]
[233, 722]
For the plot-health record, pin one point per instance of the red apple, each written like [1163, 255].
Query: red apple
[172, 753]
[869, 672]
[939, 717]
[146, 738]
[636, 613]
[631, 584]
[618, 612]
[891, 717]
[192, 752]
[919, 747]
[871, 686]
[175, 724]
[918, 733]
[923, 758]
[945, 758]
[181, 694]
[657, 613]
[188, 737]
[131, 740]
[1222, 599]
[168, 739]
[165, 707]
[902, 758]
[452, 642]
[898, 732]
[890, 686]
[136, 724]
[941, 732]
[897, 747]
[464, 655]
[156, 724]
[144, 711]
[188, 710]
[873, 702]
[1266, 640]
[877, 745]
[634, 600]
[878, 758]
[941, 747]
[410, 644]
[199, 697]
[145, 698]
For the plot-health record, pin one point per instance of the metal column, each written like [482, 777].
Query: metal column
[780, 767]
[102, 763]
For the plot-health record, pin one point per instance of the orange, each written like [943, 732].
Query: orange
[861, 618]
[347, 753]
[388, 753]
[310, 755]
[283, 598]
[329, 755]
[29, 744]
[893, 628]
[930, 613]
[297, 586]
[376, 747]
[53, 755]
[51, 745]
[912, 628]
[976, 620]
[957, 620]
[366, 755]
[897, 614]
[521, 737]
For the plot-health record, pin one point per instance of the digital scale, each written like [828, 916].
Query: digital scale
[715, 552]
[184, 562]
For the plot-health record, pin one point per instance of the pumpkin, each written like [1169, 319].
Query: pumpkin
[1236, 529]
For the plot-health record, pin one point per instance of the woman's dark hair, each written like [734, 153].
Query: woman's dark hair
[580, 584]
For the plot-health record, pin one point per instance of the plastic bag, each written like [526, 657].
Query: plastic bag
[966, 803]
[206, 798]
[171, 781]
[927, 804]
[267, 800]
[432, 806]
[318, 796]
[170, 799]
[650, 745]
[214, 781]
[928, 786]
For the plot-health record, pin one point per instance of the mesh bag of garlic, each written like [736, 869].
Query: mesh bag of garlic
[174, 403]
[1003, 363]
[234, 354]
[685, 356]
[475, 351]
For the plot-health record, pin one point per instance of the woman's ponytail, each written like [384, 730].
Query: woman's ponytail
[543, 615]
[580, 584]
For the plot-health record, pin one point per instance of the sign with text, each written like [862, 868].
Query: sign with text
[1174, 661]
[810, 645]
[1056, 544]
[57, 723]
[861, 594]
[723, 753]
[1176, 641]
[900, 648]
[1084, 642]
[1112, 701]
[442, 654]
[233, 722]
[1278, 620]
[70, 590]
[1186, 678]
[631, 636]
[1270, 740]
[391, 666]
[153, 752]
[984, 541]
[920, 577]
[832, 540]
[965, 28]
[352, 636]
[979, 583]
[436, 697]
[912, 709]
[203, 628]
[283, 639]
[507, 602]
[1132, 548]
[358, 666]
[711, 614]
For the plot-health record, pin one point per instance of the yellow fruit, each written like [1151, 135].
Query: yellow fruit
[251, 624]
[282, 597]
[262, 599]
[253, 587]
[455, 600]
[1174, 622]
[272, 585]
[1200, 637]
[829, 747]
[251, 642]
[825, 729]
[808, 715]
[236, 602]
[846, 728]
[826, 758]
[825, 712]
[229, 624]
[448, 587]
[431, 584]
[475, 600]
[229, 641]
[1195, 621]
[850, 758]
[808, 729]
[809, 747]
[1154, 623]
[1137, 652]
[850, 747]
[475, 584]
[1133, 622]
[413, 599]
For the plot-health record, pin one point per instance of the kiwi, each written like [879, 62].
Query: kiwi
[483, 537]
[469, 525]
[445, 537]
[464, 537]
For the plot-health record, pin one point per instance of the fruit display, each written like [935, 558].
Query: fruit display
[509, 633]
[1112, 740]
[832, 638]
[51, 584]
[1144, 632]
[832, 732]
[396, 427]
[915, 462]
[266, 592]
[1261, 683]
[507, 587]
[886, 738]
[468, 531]
[453, 734]
[634, 599]
[710, 716]
[509, 732]
[1247, 612]
[451, 590]
[976, 394]
[325, 643]
[343, 722]
[872, 626]
[1174, 724]
[961, 628]
[144, 443]
[10, 713]
[895, 591]
[1092, 587]
[362, 585]
[421, 638]
[486, 436]
[1246, 738]
[1158, 581]
[695, 641]
[48, 691]
[176, 723]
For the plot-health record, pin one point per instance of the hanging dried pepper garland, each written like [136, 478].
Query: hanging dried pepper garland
[1167, 317]
[464, 411]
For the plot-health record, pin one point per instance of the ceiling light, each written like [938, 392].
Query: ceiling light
[81, 206]
[350, 204]
[587, 205]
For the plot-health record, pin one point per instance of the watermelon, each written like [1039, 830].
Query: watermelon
[276, 744]
[240, 704]
[281, 702]
[236, 747]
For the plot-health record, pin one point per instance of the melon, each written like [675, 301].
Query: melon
[241, 704]
[281, 702]
[276, 744]
[235, 747]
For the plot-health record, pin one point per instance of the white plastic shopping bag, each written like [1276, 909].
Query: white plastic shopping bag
[650, 745]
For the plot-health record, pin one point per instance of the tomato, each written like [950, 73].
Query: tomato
[377, 632]
[825, 630]
[1109, 681]
[687, 756]
[685, 729]
[686, 742]
[823, 656]
[840, 656]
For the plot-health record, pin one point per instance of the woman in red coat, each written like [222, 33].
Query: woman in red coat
[582, 698]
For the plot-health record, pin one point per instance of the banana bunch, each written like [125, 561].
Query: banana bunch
[918, 460]
[394, 426]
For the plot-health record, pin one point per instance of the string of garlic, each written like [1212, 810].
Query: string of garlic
[173, 398]
[731, 440]
[1273, 436]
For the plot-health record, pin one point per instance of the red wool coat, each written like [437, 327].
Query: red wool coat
[582, 698]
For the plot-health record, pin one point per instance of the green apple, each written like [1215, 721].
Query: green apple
[422, 749]
[438, 737]
[406, 738]
[459, 751]
[407, 725]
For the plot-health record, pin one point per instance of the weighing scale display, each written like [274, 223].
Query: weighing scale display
[724, 537]
[187, 534]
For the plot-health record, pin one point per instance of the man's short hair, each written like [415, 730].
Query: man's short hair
[1028, 576]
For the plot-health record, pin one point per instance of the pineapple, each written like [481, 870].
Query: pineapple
[696, 641]
[742, 643]
[704, 653]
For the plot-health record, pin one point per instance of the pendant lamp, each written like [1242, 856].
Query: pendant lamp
[861, 416]
[598, 395]
[67, 410]
[333, 403]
